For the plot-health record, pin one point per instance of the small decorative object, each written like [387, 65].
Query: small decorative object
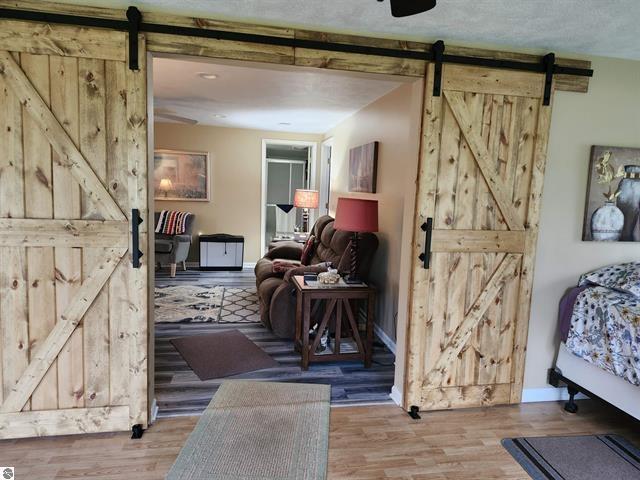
[614, 174]
[356, 215]
[306, 199]
[329, 277]
[310, 277]
[363, 168]
[181, 175]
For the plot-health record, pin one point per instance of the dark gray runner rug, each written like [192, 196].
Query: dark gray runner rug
[585, 457]
[259, 431]
[222, 354]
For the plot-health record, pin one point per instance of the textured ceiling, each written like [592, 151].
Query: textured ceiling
[262, 97]
[592, 27]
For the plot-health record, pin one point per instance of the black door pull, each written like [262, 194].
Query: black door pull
[425, 257]
[136, 254]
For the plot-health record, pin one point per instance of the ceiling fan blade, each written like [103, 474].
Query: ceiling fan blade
[405, 8]
[176, 118]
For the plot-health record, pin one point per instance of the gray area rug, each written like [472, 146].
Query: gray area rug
[222, 354]
[187, 303]
[240, 305]
[585, 457]
[259, 431]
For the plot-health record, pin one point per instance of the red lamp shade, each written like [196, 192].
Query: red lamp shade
[306, 198]
[356, 215]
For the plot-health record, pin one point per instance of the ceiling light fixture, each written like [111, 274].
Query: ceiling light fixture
[207, 76]
[406, 8]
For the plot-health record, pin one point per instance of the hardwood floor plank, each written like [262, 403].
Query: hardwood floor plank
[365, 443]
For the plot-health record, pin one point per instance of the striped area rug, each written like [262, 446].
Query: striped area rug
[261, 431]
[581, 457]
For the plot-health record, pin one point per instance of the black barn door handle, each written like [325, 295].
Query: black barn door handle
[425, 257]
[136, 254]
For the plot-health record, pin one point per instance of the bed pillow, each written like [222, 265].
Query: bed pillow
[624, 277]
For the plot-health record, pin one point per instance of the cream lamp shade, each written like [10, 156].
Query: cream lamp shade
[306, 198]
[166, 184]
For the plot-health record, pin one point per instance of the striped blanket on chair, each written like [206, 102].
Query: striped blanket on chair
[172, 222]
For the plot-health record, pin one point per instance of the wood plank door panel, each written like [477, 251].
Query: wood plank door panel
[73, 311]
[480, 180]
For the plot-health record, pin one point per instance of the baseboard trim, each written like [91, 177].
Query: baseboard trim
[384, 338]
[396, 395]
[547, 394]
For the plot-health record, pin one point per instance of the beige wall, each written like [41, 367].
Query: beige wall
[236, 171]
[394, 121]
[608, 115]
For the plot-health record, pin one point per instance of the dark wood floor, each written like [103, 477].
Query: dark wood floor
[180, 392]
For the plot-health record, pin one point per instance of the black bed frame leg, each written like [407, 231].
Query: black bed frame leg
[571, 406]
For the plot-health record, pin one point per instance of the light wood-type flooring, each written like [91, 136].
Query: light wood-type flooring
[369, 442]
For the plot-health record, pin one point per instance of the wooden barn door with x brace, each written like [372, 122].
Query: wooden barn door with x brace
[73, 166]
[480, 178]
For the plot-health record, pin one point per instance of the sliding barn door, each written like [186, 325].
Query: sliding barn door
[479, 186]
[73, 165]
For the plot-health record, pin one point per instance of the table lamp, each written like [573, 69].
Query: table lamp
[306, 199]
[356, 215]
[166, 185]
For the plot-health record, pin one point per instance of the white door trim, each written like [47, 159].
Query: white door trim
[263, 180]
[325, 171]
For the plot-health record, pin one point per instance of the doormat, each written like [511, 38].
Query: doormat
[259, 430]
[222, 354]
[584, 457]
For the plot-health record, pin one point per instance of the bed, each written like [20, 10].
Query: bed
[600, 331]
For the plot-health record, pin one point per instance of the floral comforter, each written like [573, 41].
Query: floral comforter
[605, 331]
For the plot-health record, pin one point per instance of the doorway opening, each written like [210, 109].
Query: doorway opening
[287, 166]
[233, 142]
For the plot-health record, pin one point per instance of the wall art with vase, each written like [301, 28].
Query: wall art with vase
[612, 212]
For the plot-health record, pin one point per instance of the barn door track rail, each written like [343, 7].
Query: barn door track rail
[134, 24]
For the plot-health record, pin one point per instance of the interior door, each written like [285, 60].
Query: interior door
[479, 185]
[73, 310]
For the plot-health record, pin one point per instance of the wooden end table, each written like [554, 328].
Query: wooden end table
[339, 313]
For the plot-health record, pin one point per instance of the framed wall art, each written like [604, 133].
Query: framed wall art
[181, 175]
[612, 212]
[363, 168]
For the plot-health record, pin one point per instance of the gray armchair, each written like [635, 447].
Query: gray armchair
[173, 249]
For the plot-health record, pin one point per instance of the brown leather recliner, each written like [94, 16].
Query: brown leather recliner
[275, 291]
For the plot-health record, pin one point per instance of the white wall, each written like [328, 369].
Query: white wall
[608, 115]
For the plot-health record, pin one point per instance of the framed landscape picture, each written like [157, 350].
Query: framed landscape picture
[181, 175]
[612, 212]
[363, 168]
